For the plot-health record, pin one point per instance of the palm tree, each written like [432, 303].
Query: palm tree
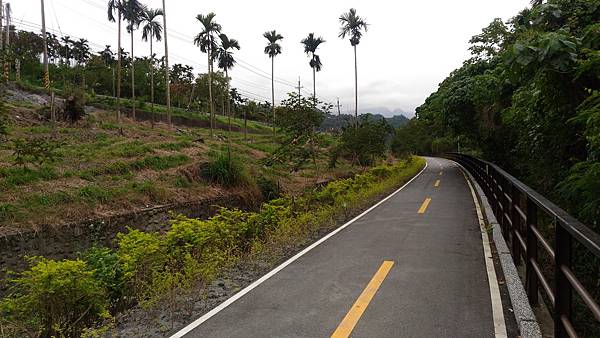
[206, 41]
[152, 30]
[310, 48]
[116, 5]
[166, 63]
[81, 53]
[107, 55]
[132, 13]
[64, 53]
[273, 49]
[352, 25]
[226, 62]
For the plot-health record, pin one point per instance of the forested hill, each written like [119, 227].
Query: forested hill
[336, 122]
[529, 100]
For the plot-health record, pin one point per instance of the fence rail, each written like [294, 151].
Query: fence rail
[517, 209]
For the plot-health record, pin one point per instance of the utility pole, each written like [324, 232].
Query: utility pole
[339, 106]
[1, 18]
[167, 79]
[46, 74]
[7, 43]
[299, 87]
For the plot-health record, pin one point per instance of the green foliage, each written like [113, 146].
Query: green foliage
[16, 176]
[107, 270]
[54, 298]
[37, 151]
[298, 118]
[140, 255]
[7, 211]
[130, 149]
[225, 169]
[528, 101]
[93, 194]
[413, 138]
[581, 189]
[366, 140]
[151, 162]
[269, 188]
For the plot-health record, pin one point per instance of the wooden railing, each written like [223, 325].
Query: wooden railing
[517, 209]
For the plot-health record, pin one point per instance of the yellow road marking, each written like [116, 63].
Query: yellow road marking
[424, 205]
[437, 183]
[441, 172]
[349, 322]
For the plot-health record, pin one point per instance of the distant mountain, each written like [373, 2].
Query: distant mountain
[335, 122]
[397, 120]
[387, 112]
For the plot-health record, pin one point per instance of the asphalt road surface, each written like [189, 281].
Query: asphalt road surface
[412, 267]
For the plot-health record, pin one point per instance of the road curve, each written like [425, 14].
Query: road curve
[434, 283]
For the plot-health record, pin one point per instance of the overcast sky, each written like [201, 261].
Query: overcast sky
[410, 47]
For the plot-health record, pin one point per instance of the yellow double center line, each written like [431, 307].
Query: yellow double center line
[349, 322]
[437, 183]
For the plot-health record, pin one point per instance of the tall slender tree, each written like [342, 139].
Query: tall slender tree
[152, 29]
[116, 6]
[352, 26]
[167, 71]
[206, 41]
[273, 49]
[311, 43]
[226, 62]
[132, 13]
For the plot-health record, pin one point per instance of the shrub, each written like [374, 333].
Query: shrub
[225, 169]
[365, 140]
[37, 151]
[140, 255]
[55, 298]
[269, 188]
[107, 270]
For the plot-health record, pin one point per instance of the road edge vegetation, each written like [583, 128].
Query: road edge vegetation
[70, 296]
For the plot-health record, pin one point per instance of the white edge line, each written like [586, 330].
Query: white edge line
[497, 309]
[271, 273]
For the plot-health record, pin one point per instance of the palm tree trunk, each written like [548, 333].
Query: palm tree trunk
[210, 98]
[228, 103]
[152, 78]
[355, 86]
[314, 86]
[167, 79]
[273, 89]
[314, 82]
[132, 77]
[118, 75]
[245, 125]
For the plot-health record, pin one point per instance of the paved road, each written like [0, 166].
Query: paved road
[436, 287]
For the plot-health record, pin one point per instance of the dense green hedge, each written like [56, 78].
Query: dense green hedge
[64, 297]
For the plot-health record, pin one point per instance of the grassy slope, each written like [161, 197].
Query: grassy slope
[101, 172]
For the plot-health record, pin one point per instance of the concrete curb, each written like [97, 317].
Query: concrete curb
[524, 315]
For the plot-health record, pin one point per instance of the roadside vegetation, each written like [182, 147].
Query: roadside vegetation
[73, 296]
